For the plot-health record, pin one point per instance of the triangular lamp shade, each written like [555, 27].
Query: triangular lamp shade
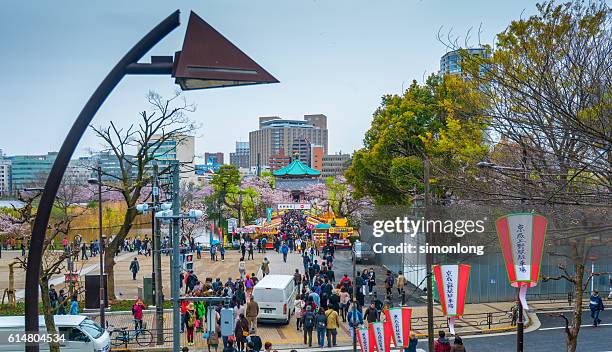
[209, 60]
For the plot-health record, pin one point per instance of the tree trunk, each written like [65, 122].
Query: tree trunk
[113, 247]
[48, 313]
[572, 337]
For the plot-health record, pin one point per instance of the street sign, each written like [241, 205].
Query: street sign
[297, 206]
[232, 224]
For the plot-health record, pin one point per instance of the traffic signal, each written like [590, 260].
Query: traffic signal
[188, 262]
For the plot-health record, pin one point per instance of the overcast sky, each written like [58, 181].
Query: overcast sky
[332, 57]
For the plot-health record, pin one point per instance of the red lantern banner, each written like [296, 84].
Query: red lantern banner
[382, 336]
[366, 339]
[452, 282]
[521, 237]
[399, 318]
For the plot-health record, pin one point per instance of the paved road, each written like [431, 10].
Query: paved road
[550, 337]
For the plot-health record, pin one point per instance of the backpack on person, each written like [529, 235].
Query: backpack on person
[191, 320]
[321, 321]
[308, 320]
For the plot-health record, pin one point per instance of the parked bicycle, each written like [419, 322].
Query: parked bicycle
[124, 336]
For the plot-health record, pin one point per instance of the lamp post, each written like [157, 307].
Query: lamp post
[520, 324]
[207, 60]
[98, 181]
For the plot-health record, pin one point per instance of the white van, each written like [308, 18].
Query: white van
[275, 295]
[80, 333]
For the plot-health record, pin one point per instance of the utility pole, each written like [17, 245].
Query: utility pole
[101, 240]
[354, 299]
[429, 262]
[176, 266]
[157, 275]
[520, 324]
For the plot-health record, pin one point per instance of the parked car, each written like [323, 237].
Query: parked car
[363, 252]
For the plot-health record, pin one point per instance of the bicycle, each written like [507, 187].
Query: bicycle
[123, 337]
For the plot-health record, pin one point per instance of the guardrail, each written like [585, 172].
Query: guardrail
[470, 323]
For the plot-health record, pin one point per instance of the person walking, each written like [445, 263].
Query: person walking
[222, 252]
[213, 253]
[265, 267]
[190, 322]
[457, 345]
[242, 269]
[412, 342]
[610, 289]
[137, 310]
[74, 305]
[284, 251]
[442, 344]
[370, 314]
[332, 326]
[299, 305]
[84, 251]
[241, 332]
[251, 250]
[321, 323]
[53, 299]
[596, 306]
[252, 311]
[371, 280]
[344, 303]
[400, 283]
[134, 267]
[61, 302]
[355, 319]
[297, 279]
[309, 324]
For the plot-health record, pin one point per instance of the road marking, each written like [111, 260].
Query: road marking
[582, 326]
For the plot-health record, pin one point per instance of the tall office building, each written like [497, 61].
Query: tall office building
[276, 137]
[181, 148]
[5, 175]
[79, 171]
[30, 170]
[316, 157]
[335, 164]
[450, 63]
[240, 158]
[213, 158]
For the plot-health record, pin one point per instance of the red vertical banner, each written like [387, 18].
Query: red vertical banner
[521, 238]
[399, 319]
[365, 337]
[382, 336]
[452, 282]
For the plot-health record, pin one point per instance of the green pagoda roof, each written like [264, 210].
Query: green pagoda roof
[296, 168]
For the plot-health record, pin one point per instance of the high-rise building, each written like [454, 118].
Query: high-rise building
[278, 161]
[213, 158]
[79, 171]
[290, 136]
[240, 158]
[316, 157]
[5, 175]
[450, 63]
[335, 164]
[30, 170]
[181, 148]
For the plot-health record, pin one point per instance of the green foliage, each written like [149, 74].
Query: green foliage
[438, 119]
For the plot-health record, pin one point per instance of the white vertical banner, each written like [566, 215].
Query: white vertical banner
[364, 339]
[521, 228]
[450, 282]
[379, 336]
[396, 324]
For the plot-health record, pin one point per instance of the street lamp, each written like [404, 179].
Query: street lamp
[207, 60]
[102, 301]
[520, 325]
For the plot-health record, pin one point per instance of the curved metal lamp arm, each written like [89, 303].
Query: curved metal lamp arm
[63, 157]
